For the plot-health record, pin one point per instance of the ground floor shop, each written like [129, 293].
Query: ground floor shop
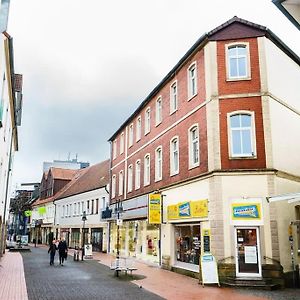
[76, 237]
[136, 239]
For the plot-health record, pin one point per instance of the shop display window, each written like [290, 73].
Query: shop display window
[188, 243]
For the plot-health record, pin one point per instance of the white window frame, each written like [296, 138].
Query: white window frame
[192, 163]
[172, 164]
[130, 135]
[121, 183]
[147, 120]
[248, 68]
[173, 97]
[158, 111]
[137, 180]
[191, 79]
[138, 128]
[113, 186]
[122, 143]
[114, 149]
[130, 178]
[147, 170]
[252, 135]
[158, 163]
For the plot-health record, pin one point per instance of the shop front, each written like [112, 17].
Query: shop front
[137, 239]
[246, 219]
[75, 238]
[188, 220]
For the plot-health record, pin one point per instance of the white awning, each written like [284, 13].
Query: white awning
[290, 198]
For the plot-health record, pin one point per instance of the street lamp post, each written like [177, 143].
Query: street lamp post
[118, 211]
[83, 233]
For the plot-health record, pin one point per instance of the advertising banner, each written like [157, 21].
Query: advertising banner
[42, 210]
[246, 211]
[154, 209]
[188, 209]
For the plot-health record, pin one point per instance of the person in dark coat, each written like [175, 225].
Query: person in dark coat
[52, 250]
[62, 251]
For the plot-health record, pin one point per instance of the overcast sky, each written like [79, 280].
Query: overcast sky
[87, 64]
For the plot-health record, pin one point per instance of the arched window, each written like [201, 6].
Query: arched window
[242, 134]
[174, 156]
[147, 169]
[137, 174]
[158, 163]
[238, 61]
[194, 146]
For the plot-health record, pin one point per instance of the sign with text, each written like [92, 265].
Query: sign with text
[246, 211]
[206, 240]
[188, 209]
[209, 269]
[154, 209]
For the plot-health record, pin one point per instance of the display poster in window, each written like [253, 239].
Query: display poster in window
[154, 209]
[206, 240]
[250, 255]
[188, 209]
[209, 270]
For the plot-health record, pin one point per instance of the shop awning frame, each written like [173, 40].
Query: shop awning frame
[290, 198]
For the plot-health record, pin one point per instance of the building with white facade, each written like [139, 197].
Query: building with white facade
[10, 116]
[86, 192]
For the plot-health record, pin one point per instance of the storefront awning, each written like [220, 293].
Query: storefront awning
[290, 198]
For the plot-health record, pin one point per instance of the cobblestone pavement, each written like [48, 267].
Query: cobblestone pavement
[92, 279]
[285, 294]
[75, 280]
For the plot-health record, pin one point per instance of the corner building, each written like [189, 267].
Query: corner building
[214, 138]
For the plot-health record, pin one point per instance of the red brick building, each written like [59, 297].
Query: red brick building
[206, 137]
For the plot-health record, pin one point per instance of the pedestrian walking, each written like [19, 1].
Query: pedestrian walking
[62, 251]
[52, 250]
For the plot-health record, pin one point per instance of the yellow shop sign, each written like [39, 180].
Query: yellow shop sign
[188, 209]
[154, 209]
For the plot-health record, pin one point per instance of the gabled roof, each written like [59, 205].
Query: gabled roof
[234, 28]
[64, 174]
[43, 201]
[88, 179]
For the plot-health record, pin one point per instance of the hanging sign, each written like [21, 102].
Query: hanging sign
[154, 209]
[42, 210]
[27, 213]
[188, 209]
[209, 269]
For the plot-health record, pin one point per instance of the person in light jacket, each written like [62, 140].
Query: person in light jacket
[62, 251]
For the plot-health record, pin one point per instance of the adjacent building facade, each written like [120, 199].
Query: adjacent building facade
[10, 117]
[86, 194]
[211, 139]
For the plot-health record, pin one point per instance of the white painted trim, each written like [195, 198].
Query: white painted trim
[136, 187]
[147, 130]
[121, 183]
[130, 137]
[190, 96]
[128, 180]
[172, 110]
[113, 185]
[253, 134]
[164, 131]
[254, 275]
[138, 137]
[248, 75]
[157, 121]
[156, 178]
[191, 164]
[172, 171]
[147, 182]
[122, 140]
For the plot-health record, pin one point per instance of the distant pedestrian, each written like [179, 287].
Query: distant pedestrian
[52, 250]
[62, 251]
